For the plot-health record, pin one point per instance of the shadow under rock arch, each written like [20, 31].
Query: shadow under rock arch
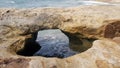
[30, 46]
[77, 44]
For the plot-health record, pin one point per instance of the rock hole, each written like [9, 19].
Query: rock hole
[30, 46]
[77, 44]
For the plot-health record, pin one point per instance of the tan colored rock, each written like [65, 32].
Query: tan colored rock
[117, 39]
[97, 22]
[14, 63]
[103, 54]
[86, 20]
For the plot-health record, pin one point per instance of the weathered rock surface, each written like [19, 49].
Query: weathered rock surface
[117, 40]
[53, 43]
[97, 22]
[72, 20]
[103, 54]
[14, 63]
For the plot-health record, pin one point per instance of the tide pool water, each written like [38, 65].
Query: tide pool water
[47, 3]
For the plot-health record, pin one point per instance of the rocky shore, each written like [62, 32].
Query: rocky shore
[101, 24]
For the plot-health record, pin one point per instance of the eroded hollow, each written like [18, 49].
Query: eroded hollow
[112, 30]
[77, 44]
[30, 46]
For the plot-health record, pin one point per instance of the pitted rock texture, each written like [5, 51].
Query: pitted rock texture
[112, 30]
[17, 25]
[14, 63]
[72, 20]
[53, 43]
[103, 54]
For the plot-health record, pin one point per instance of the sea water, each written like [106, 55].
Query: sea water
[47, 3]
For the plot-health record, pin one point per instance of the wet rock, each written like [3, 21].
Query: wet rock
[53, 43]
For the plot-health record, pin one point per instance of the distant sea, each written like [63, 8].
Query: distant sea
[46, 3]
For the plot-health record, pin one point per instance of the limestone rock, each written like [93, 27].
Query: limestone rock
[97, 22]
[117, 39]
[73, 20]
[112, 30]
[53, 43]
[14, 63]
[103, 54]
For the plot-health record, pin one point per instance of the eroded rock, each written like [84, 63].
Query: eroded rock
[117, 39]
[103, 54]
[112, 30]
[14, 63]
[84, 21]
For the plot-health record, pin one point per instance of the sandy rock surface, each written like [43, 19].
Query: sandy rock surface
[18, 28]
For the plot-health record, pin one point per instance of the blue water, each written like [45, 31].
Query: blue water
[45, 3]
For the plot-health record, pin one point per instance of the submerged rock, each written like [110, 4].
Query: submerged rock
[53, 44]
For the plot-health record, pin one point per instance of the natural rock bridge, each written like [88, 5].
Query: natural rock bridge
[98, 30]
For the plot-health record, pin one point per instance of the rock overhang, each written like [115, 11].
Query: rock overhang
[76, 21]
